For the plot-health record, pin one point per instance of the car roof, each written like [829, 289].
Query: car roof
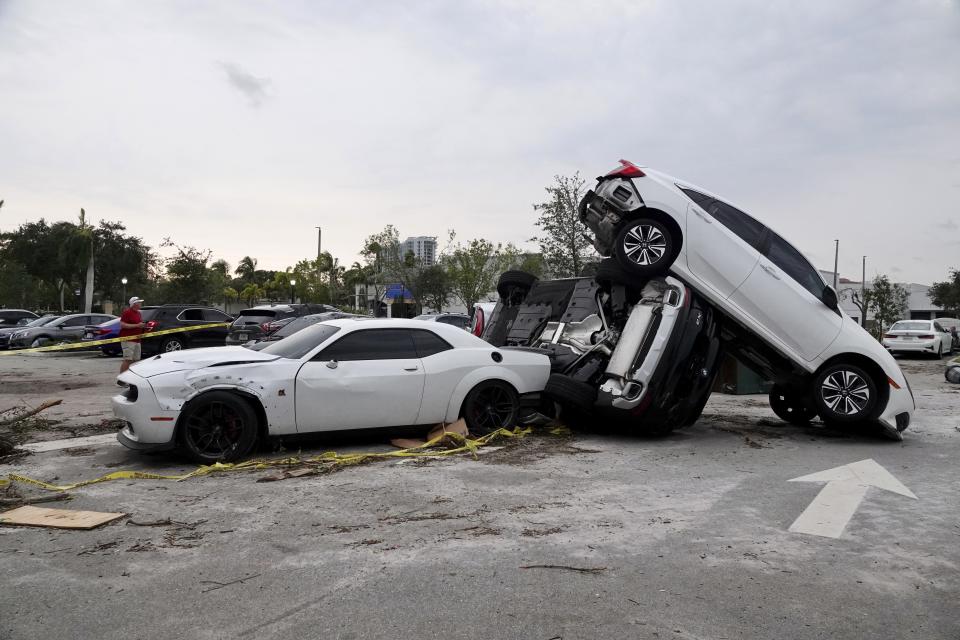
[454, 335]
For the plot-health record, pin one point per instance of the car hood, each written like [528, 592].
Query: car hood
[193, 359]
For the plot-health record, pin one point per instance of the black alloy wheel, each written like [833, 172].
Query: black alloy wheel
[844, 393]
[218, 427]
[644, 247]
[790, 406]
[489, 406]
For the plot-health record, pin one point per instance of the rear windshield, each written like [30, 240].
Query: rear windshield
[254, 316]
[302, 342]
[148, 314]
[910, 326]
[292, 327]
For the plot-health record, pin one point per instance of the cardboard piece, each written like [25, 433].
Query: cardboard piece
[57, 518]
[459, 427]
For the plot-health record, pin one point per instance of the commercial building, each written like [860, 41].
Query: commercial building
[423, 247]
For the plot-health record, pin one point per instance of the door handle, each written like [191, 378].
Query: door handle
[410, 368]
[771, 271]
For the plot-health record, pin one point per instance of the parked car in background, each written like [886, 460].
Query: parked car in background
[354, 373]
[182, 316]
[23, 323]
[14, 317]
[293, 325]
[918, 336]
[952, 326]
[481, 312]
[252, 324]
[779, 316]
[61, 330]
[104, 331]
[459, 320]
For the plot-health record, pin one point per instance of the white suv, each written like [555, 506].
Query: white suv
[786, 322]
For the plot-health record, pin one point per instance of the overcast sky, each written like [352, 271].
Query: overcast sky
[240, 127]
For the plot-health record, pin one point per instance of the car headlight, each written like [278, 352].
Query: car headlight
[18, 334]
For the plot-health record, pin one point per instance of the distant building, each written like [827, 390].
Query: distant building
[919, 304]
[423, 247]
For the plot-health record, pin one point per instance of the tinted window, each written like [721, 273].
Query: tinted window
[792, 263]
[749, 230]
[298, 324]
[429, 343]
[78, 321]
[299, 345]
[371, 344]
[191, 314]
[907, 325]
[148, 314]
[938, 327]
[212, 315]
[255, 316]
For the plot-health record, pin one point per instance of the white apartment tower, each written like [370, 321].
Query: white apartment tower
[423, 247]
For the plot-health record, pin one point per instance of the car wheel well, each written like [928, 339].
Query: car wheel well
[484, 381]
[249, 398]
[663, 218]
[876, 372]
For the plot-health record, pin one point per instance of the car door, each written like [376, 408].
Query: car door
[722, 243]
[193, 317]
[72, 328]
[217, 335]
[943, 336]
[784, 295]
[367, 378]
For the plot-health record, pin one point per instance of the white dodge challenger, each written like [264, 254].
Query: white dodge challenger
[213, 404]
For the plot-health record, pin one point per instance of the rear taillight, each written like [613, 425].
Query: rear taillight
[926, 337]
[478, 322]
[151, 325]
[626, 170]
[103, 332]
[265, 327]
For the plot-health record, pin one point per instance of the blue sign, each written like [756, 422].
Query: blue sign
[397, 291]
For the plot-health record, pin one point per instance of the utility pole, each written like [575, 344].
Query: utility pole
[319, 279]
[863, 293]
[836, 256]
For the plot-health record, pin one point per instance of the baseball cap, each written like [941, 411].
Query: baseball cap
[134, 300]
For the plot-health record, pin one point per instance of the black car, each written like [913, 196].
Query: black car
[256, 322]
[176, 316]
[24, 323]
[296, 324]
[639, 358]
[15, 317]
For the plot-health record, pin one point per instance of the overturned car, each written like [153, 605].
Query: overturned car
[636, 354]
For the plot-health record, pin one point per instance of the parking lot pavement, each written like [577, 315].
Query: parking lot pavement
[686, 536]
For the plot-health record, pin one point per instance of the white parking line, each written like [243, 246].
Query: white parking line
[69, 443]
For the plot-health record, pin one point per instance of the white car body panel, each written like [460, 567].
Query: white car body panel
[302, 395]
[789, 319]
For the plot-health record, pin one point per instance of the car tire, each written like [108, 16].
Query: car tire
[491, 405]
[952, 374]
[644, 247]
[570, 393]
[218, 426]
[173, 343]
[513, 286]
[790, 406]
[39, 342]
[940, 351]
[836, 407]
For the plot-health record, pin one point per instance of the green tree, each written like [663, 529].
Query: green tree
[562, 242]
[246, 268]
[946, 294]
[888, 301]
[188, 278]
[251, 293]
[230, 294]
[473, 269]
[433, 286]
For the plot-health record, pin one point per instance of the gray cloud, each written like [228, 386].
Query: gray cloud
[254, 88]
[948, 225]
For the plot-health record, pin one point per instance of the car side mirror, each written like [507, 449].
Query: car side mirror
[332, 364]
[829, 298]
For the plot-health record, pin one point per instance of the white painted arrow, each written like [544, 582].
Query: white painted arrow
[836, 503]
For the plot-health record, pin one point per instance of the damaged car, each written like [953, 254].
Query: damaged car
[777, 314]
[625, 353]
[214, 404]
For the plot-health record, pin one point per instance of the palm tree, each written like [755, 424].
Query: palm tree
[246, 267]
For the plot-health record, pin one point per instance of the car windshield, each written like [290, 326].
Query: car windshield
[302, 342]
[39, 322]
[911, 326]
[292, 327]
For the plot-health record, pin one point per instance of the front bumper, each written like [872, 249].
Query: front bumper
[147, 426]
[898, 413]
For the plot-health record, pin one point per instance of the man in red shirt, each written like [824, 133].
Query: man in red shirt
[131, 324]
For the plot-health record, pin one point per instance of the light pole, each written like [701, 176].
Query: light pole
[293, 283]
[863, 293]
[319, 237]
[124, 281]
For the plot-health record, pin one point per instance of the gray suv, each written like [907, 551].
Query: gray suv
[66, 329]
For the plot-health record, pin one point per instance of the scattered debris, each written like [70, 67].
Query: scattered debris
[368, 542]
[80, 451]
[221, 585]
[478, 531]
[539, 533]
[347, 528]
[19, 500]
[103, 546]
[459, 427]
[565, 568]
[57, 518]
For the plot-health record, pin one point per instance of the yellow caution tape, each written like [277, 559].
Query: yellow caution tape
[327, 459]
[97, 343]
